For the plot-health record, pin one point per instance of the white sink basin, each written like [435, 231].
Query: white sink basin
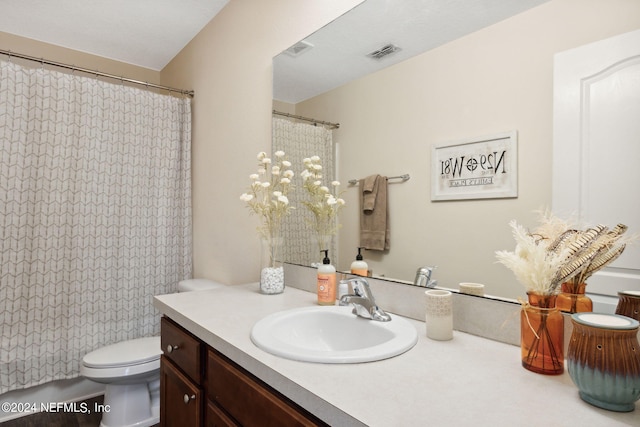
[332, 335]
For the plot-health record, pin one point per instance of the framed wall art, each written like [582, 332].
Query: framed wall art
[477, 168]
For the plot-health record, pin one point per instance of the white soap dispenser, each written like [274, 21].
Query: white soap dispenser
[358, 266]
[326, 281]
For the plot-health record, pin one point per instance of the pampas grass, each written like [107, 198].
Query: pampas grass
[532, 263]
[557, 252]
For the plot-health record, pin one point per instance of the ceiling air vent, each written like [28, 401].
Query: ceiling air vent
[298, 48]
[384, 51]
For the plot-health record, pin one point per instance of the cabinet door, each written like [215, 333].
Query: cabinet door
[180, 399]
[216, 417]
[249, 401]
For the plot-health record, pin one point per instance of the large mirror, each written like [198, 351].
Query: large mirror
[456, 70]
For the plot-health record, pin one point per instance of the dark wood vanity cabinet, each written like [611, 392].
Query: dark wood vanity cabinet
[201, 387]
[181, 377]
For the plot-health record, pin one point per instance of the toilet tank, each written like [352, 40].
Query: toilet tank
[197, 285]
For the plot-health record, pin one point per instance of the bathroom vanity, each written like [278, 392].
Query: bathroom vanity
[469, 380]
[200, 386]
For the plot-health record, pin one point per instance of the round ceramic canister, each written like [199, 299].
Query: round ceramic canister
[603, 360]
[471, 288]
[439, 317]
[629, 304]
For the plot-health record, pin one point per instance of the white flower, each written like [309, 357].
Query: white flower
[275, 170]
[317, 183]
[277, 193]
[331, 201]
[283, 199]
[341, 202]
[288, 174]
[315, 158]
[246, 197]
[335, 183]
[285, 181]
[317, 167]
[266, 161]
[262, 171]
[254, 176]
[279, 153]
[305, 174]
[265, 184]
[306, 160]
[324, 189]
[261, 155]
[286, 163]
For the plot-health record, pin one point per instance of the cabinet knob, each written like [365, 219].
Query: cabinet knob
[171, 348]
[187, 398]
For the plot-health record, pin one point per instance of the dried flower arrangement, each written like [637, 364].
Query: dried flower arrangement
[267, 195]
[557, 252]
[323, 204]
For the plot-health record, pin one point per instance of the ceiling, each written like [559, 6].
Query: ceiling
[147, 33]
[339, 52]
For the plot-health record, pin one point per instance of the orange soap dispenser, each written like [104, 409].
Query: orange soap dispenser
[326, 281]
[358, 266]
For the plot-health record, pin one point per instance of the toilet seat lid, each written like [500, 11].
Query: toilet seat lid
[125, 353]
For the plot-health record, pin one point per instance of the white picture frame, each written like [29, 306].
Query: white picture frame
[475, 168]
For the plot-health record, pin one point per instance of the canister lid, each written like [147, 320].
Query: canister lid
[606, 321]
[630, 293]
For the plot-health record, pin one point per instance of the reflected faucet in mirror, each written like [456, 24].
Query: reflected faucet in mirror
[423, 277]
[363, 301]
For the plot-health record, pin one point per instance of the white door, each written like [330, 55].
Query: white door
[596, 146]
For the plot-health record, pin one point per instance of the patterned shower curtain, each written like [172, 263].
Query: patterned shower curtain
[95, 217]
[300, 140]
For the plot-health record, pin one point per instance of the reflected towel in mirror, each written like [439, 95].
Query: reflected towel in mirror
[374, 213]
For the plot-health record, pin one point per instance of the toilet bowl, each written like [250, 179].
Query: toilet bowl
[131, 372]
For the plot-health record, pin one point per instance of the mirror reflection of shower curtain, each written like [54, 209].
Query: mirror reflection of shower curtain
[298, 141]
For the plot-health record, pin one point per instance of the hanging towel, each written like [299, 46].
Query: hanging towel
[374, 213]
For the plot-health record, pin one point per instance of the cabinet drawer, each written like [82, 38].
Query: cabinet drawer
[182, 349]
[249, 401]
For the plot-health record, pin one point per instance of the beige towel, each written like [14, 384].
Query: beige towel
[374, 213]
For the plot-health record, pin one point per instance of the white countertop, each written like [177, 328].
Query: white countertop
[466, 381]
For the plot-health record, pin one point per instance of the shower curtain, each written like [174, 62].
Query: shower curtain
[95, 217]
[300, 140]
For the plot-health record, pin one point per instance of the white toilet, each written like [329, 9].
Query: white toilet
[131, 371]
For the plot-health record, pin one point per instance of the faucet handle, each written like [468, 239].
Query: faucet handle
[360, 287]
[423, 277]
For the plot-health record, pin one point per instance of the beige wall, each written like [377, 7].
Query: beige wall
[228, 64]
[495, 80]
[63, 55]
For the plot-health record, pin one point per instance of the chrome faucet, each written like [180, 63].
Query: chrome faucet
[363, 301]
[423, 277]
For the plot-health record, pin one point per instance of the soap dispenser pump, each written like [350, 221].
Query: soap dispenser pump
[358, 266]
[326, 281]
